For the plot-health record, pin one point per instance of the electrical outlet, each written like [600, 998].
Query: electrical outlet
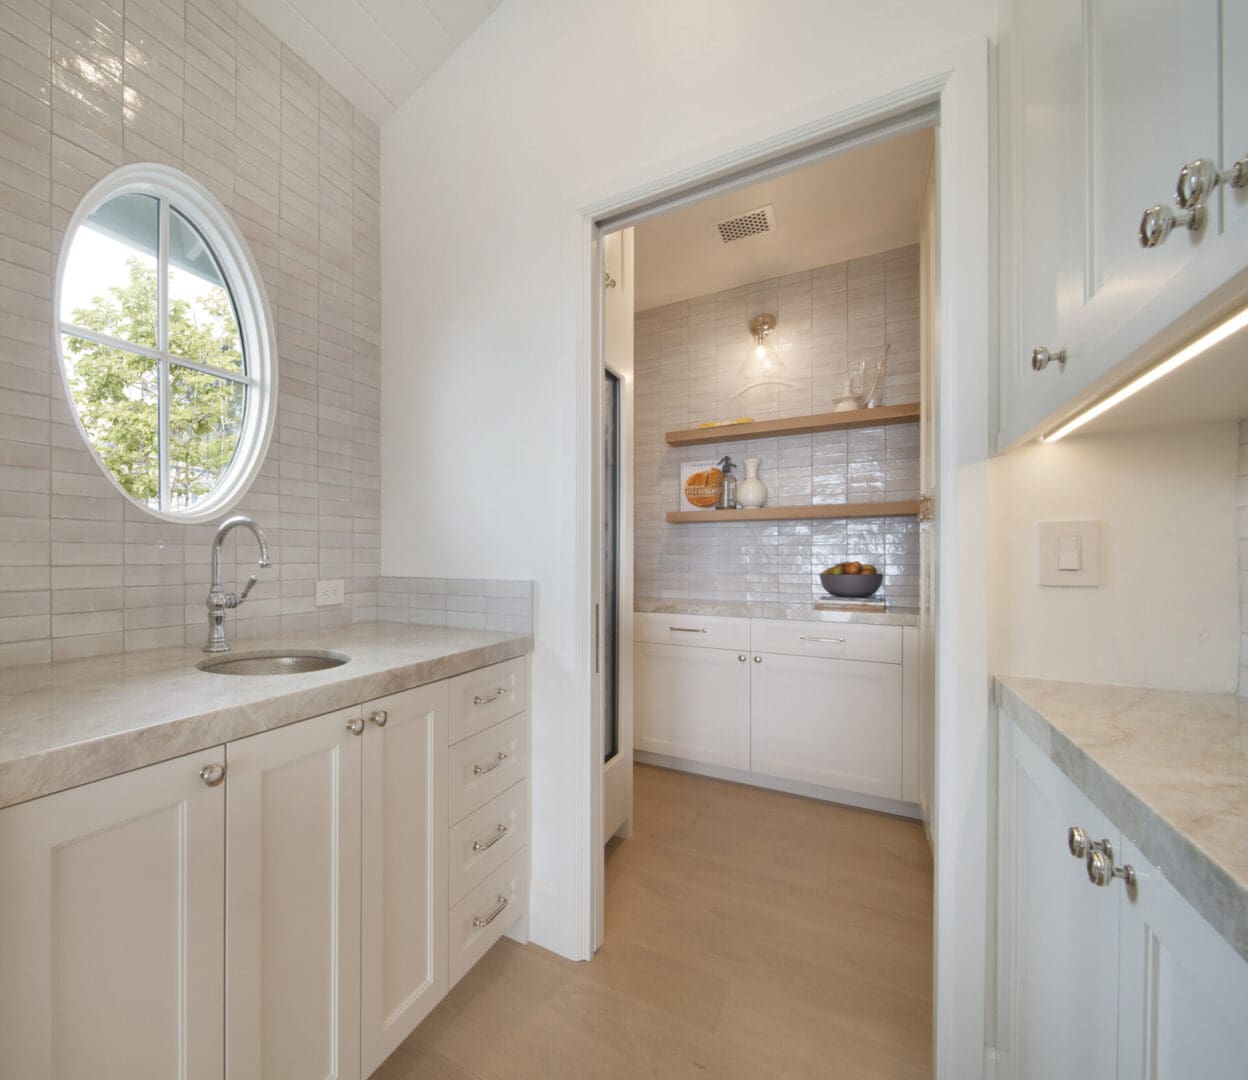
[328, 592]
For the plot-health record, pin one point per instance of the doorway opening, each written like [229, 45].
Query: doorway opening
[780, 330]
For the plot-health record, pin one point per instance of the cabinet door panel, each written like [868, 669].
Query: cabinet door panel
[1183, 996]
[831, 722]
[1234, 108]
[692, 703]
[404, 866]
[1154, 92]
[112, 928]
[293, 906]
[1059, 933]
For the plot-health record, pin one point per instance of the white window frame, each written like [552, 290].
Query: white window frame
[255, 325]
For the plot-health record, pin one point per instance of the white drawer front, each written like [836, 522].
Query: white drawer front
[480, 699]
[487, 838]
[487, 764]
[839, 641]
[706, 631]
[480, 918]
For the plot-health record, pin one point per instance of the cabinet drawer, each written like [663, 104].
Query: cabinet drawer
[839, 641]
[480, 699]
[486, 764]
[705, 631]
[481, 917]
[487, 838]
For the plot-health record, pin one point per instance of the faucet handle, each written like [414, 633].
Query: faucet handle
[251, 584]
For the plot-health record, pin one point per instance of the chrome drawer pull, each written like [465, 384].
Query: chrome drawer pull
[479, 921]
[688, 629]
[478, 700]
[824, 640]
[478, 845]
[477, 770]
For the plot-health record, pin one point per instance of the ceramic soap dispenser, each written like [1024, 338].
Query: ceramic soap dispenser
[751, 492]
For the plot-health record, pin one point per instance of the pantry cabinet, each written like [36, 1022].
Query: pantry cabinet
[1120, 980]
[692, 703]
[820, 705]
[112, 928]
[293, 901]
[836, 723]
[1101, 105]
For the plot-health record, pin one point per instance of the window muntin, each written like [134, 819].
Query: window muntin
[165, 343]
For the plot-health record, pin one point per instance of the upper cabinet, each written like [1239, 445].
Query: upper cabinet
[1103, 102]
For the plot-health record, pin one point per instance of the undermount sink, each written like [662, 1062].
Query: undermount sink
[273, 662]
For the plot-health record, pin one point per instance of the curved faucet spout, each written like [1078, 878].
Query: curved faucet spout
[218, 599]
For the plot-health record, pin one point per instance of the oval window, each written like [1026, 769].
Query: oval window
[165, 342]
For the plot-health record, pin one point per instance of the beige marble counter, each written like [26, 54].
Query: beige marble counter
[69, 723]
[1170, 769]
[830, 610]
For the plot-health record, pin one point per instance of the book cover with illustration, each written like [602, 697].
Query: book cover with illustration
[700, 484]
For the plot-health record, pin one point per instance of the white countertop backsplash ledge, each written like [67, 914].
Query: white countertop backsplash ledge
[831, 611]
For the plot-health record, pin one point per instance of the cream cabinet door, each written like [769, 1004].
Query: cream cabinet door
[1234, 109]
[836, 723]
[1183, 991]
[293, 902]
[692, 703]
[1058, 933]
[112, 928]
[405, 866]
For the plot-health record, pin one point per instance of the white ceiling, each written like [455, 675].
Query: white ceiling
[851, 205]
[376, 52]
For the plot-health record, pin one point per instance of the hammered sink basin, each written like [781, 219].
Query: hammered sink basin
[272, 662]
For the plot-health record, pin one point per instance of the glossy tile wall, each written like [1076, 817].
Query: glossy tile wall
[689, 359]
[467, 603]
[85, 87]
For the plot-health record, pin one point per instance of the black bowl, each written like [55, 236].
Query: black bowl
[851, 585]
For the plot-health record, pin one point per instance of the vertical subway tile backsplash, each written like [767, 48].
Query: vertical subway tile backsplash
[688, 358]
[199, 85]
[468, 603]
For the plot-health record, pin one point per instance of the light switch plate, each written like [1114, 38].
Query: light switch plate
[329, 592]
[1070, 543]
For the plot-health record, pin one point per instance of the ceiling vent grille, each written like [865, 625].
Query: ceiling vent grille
[748, 224]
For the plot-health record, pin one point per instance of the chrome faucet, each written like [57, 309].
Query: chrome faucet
[219, 601]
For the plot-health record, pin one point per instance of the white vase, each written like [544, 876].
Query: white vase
[751, 492]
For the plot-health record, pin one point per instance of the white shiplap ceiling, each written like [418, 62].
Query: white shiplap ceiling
[376, 52]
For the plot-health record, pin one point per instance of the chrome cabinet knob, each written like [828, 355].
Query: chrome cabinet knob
[355, 725]
[1198, 179]
[379, 717]
[743, 658]
[1102, 871]
[1041, 358]
[758, 659]
[213, 774]
[1159, 222]
[1078, 842]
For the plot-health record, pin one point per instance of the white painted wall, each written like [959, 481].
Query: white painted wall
[1167, 610]
[550, 99]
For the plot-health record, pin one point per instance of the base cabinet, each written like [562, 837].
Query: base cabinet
[1114, 981]
[836, 723]
[112, 928]
[278, 908]
[293, 901]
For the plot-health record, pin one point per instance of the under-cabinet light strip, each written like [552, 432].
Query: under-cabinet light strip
[1202, 344]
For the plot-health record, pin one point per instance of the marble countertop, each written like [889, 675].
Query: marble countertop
[829, 610]
[69, 723]
[1168, 768]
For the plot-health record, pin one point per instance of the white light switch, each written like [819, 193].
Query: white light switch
[1070, 553]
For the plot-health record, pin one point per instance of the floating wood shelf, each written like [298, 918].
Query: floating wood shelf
[796, 425]
[797, 513]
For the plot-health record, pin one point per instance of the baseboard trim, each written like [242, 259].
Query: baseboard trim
[789, 787]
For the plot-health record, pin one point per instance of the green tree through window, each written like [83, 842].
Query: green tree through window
[117, 391]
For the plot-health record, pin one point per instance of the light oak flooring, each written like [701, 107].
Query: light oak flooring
[750, 934]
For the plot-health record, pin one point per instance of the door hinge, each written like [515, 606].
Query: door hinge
[927, 508]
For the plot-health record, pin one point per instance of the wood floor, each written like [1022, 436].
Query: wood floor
[749, 935]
